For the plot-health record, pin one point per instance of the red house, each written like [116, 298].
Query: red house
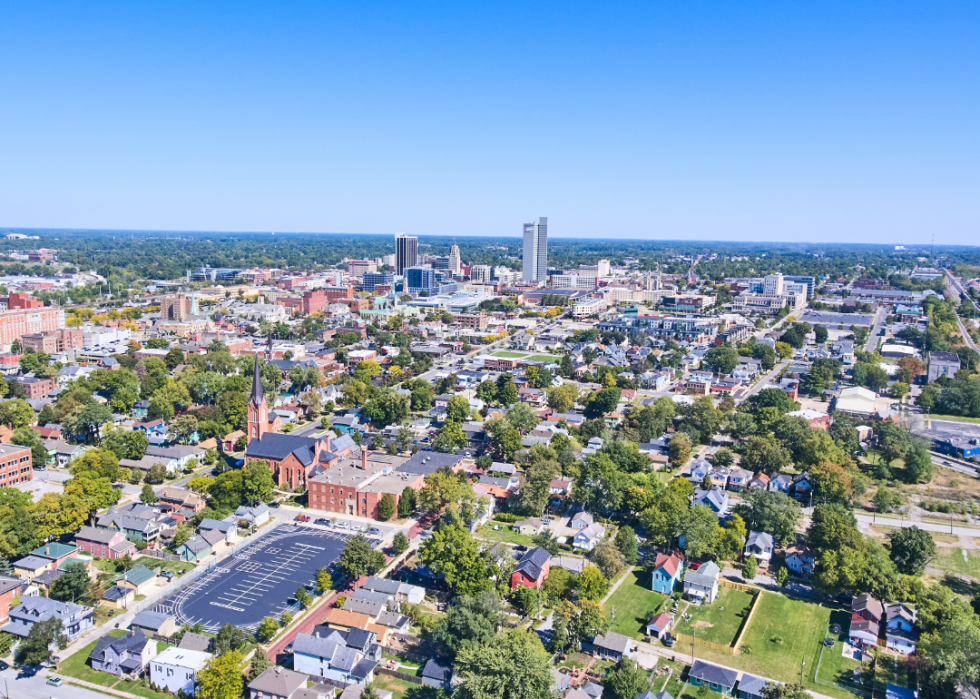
[104, 543]
[532, 569]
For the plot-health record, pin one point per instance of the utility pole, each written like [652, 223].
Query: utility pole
[802, 663]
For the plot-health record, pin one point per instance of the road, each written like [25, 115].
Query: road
[872, 344]
[956, 286]
[928, 526]
[18, 684]
[766, 380]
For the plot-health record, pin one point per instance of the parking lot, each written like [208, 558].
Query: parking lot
[845, 319]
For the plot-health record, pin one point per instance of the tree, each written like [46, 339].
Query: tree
[450, 437]
[259, 664]
[600, 485]
[444, 487]
[918, 465]
[324, 581]
[222, 676]
[71, 586]
[16, 413]
[470, 621]
[562, 398]
[591, 583]
[257, 482]
[304, 598]
[91, 418]
[626, 543]
[680, 450]
[774, 690]
[267, 629]
[602, 402]
[723, 457]
[784, 350]
[388, 408]
[522, 417]
[911, 550]
[157, 474]
[230, 638]
[358, 558]
[399, 544]
[774, 398]
[407, 503]
[700, 531]
[458, 409]
[764, 454]
[35, 648]
[749, 566]
[821, 334]
[626, 680]
[900, 389]
[831, 482]
[147, 496]
[883, 500]
[547, 541]
[608, 558]
[454, 553]
[722, 359]
[782, 576]
[771, 512]
[386, 507]
[513, 665]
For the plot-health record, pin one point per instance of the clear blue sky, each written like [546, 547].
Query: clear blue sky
[822, 121]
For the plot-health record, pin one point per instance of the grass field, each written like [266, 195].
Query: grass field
[950, 560]
[718, 622]
[834, 667]
[504, 354]
[406, 690]
[634, 604]
[543, 358]
[173, 566]
[505, 534]
[956, 418]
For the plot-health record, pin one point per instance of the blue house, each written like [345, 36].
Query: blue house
[153, 428]
[141, 409]
[667, 571]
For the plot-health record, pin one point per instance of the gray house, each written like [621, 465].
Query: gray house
[75, 618]
[436, 674]
[750, 686]
[612, 646]
[942, 364]
[702, 584]
[128, 655]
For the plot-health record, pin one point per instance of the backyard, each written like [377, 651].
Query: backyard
[958, 561]
[505, 534]
[401, 689]
[720, 621]
[633, 604]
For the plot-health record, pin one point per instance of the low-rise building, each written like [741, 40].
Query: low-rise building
[175, 669]
[127, 655]
[75, 618]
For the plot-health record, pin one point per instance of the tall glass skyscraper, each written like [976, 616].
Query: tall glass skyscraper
[406, 252]
[536, 251]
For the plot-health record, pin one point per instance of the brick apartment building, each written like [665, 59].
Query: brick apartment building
[16, 301]
[314, 301]
[36, 388]
[177, 307]
[52, 341]
[338, 293]
[18, 320]
[475, 321]
[15, 465]
[355, 486]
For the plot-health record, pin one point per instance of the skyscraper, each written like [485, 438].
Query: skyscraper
[536, 251]
[454, 265]
[406, 252]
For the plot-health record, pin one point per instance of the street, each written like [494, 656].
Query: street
[18, 684]
[872, 344]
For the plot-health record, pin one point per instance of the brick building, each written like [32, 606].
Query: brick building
[356, 485]
[15, 465]
[52, 341]
[178, 307]
[338, 293]
[35, 388]
[19, 321]
[476, 321]
[314, 301]
[16, 301]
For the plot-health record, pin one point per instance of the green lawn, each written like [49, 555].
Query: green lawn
[543, 358]
[173, 566]
[950, 560]
[401, 661]
[834, 667]
[77, 665]
[136, 687]
[504, 354]
[717, 622]
[955, 418]
[634, 604]
[406, 690]
[505, 534]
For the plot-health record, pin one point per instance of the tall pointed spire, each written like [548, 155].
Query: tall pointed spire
[257, 397]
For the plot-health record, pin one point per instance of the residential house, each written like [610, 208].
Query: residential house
[255, 516]
[127, 655]
[560, 487]
[141, 579]
[760, 545]
[402, 592]
[229, 530]
[104, 543]
[715, 499]
[588, 538]
[759, 480]
[698, 470]
[195, 641]
[667, 572]
[194, 550]
[532, 569]
[276, 683]
[718, 679]
[529, 527]
[581, 520]
[437, 674]
[751, 687]
[10, 590]
[613, 646]
[330, 657]
[799, 559]
[659, 626]
[719, 477]
[154, 623]
[866, 616]
[117, 597]
[75, 618]
[175, 669]
[802, 488]
[702, 584]
[136, 529]
[900, 633]
[739, 479]
[781, 484]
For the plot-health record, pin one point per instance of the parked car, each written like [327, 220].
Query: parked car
[55, 681]
[321, 521]
[302, 518]
[342, 525]
[374, 530]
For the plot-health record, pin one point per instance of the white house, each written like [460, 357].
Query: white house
[589, 537]
[255, 516]
[702, 584]
[799, 559]
[900, 633]
[581, 520]
[760, 545]
[175, 669]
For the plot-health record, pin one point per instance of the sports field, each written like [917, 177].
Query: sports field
[258, 581]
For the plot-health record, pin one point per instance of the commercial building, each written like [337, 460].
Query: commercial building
[473, 321]
[454, 262]
[419, 279]
[15, 465]
[406, 252]
[54, 341]
[589, 306]
[480, 274]
[17, 321]
[36, 388]
[536, 251]
[374, 279]
[355, 486]
[942, 364]
[178, 307]
[358, 268]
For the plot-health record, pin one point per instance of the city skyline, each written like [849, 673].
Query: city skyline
[828, 123]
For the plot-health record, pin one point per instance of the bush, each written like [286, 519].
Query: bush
[508, 517]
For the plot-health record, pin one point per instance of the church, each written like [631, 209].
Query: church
[294, 460]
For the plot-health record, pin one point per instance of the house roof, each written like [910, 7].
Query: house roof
[151, 620]
[117, 592]
[94, 534]
[425, 462]
[613, 641]
[897, 610]
[138, 575]
[661, 621]
[533, 562]
[867, 602]
[750, 684]
[278, 681]
[435, 670]
[183, 657]
[277, 447]
[131, 643]
[54, 550]
[195, 641]
[706, 575]
[706, 672]
[670, 564]
[32, 562]
[760, 539]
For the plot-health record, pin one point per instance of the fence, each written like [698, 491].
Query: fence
[399, 675]
[745, 622]
[162, 555]
[738, 586]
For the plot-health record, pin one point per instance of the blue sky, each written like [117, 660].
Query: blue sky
[831, 121]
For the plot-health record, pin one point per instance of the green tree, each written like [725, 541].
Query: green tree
[470, 621]
[257, 482]
[450, 437]
[591, 584]
[386, 507]
[562, 398]
[174, 357]
[324, 581]
[626, 680]
[259, 664]
[771, 512]
[513, 665]
[505, 440]
[407, 502]
[35, 649]
[157, 474]
[359, 558]
[722, 359]
[883, 500]
[763, 454]
[749, 566]
[267, 629]
[231, 638]
[453, 553]
[774, 690]
[626, 543]
[700, 531]
[600, 485]
[458, 409]
[71, 586]
[147, 496]
[918, 465]
[303, 596]
[680, 450]
[522, 417]
[222, 676]
[400, 543]
[911, 550]
[782, 576]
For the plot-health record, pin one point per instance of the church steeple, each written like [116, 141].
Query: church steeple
[258, 410]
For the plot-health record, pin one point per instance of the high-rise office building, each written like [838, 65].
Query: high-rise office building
[419, 279]
[406, 252]
[536, 251]
[454, 264]
[480, 274]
